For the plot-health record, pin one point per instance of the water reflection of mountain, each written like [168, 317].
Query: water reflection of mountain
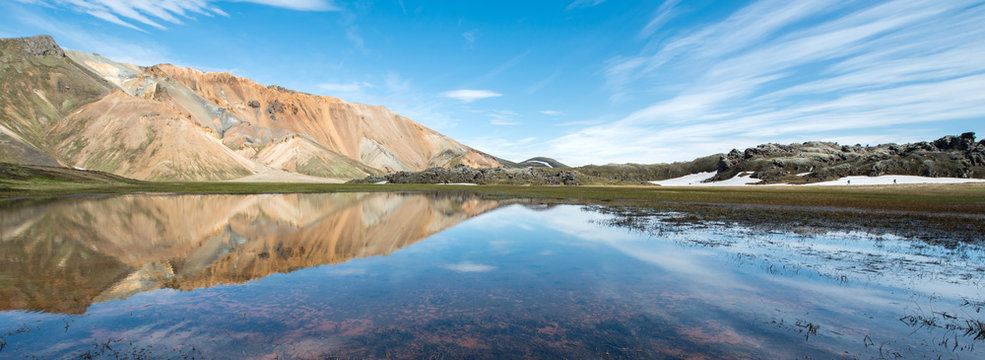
[62, 256]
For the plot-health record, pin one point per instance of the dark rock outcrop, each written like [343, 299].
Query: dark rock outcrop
[41, 45]
[949, 156]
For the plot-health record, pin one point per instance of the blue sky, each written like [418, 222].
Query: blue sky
[583, 81]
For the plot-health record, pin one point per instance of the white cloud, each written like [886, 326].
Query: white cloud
[153, 12]
[466, 95]
[469, 37]
[663, 14]
[300, 5]
[113, 19]
[551, 112]
[504, 118]
[72, 36]
[778, 71]
[467, 267]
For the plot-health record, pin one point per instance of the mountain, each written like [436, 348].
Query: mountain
[166, 122]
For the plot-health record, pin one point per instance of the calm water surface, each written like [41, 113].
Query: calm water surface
[393, 275]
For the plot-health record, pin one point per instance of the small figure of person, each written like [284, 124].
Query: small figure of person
[894, 181]
[849, 182]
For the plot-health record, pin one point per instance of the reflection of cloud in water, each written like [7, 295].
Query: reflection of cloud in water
[345, 272]
[467, 267]
[501, 247]
[577, 223]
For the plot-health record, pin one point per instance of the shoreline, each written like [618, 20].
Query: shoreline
[930, 198]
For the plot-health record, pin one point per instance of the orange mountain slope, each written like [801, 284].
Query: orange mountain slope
[171, 123]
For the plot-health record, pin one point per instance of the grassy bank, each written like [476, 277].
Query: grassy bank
[34, 182]
[936, 198]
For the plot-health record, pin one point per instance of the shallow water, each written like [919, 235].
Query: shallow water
[389, 275]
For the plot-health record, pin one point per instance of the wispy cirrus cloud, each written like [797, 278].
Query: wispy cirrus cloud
[469, 37]
[300, 5]
[779, 71]
[110, 46]
[469, 95]
[583, 4]
[504, 118]
[663, 14]
[155, 13]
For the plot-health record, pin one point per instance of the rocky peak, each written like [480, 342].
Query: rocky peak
[41, 45]
[964, 142]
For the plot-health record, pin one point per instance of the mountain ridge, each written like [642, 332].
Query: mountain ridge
[165, 122]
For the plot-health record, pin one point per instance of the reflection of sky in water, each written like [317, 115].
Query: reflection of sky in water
[558, 283]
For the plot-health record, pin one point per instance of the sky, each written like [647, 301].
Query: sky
[581, 81]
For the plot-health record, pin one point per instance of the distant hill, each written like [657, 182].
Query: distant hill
[543, 162]
[164, 122]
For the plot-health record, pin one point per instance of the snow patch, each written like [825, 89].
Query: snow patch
[746, 179]
[894, 179]
[541, 162]
[698, 178]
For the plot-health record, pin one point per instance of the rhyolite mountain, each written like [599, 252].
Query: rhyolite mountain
[164, 122]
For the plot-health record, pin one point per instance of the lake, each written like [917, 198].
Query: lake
[389, 275]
